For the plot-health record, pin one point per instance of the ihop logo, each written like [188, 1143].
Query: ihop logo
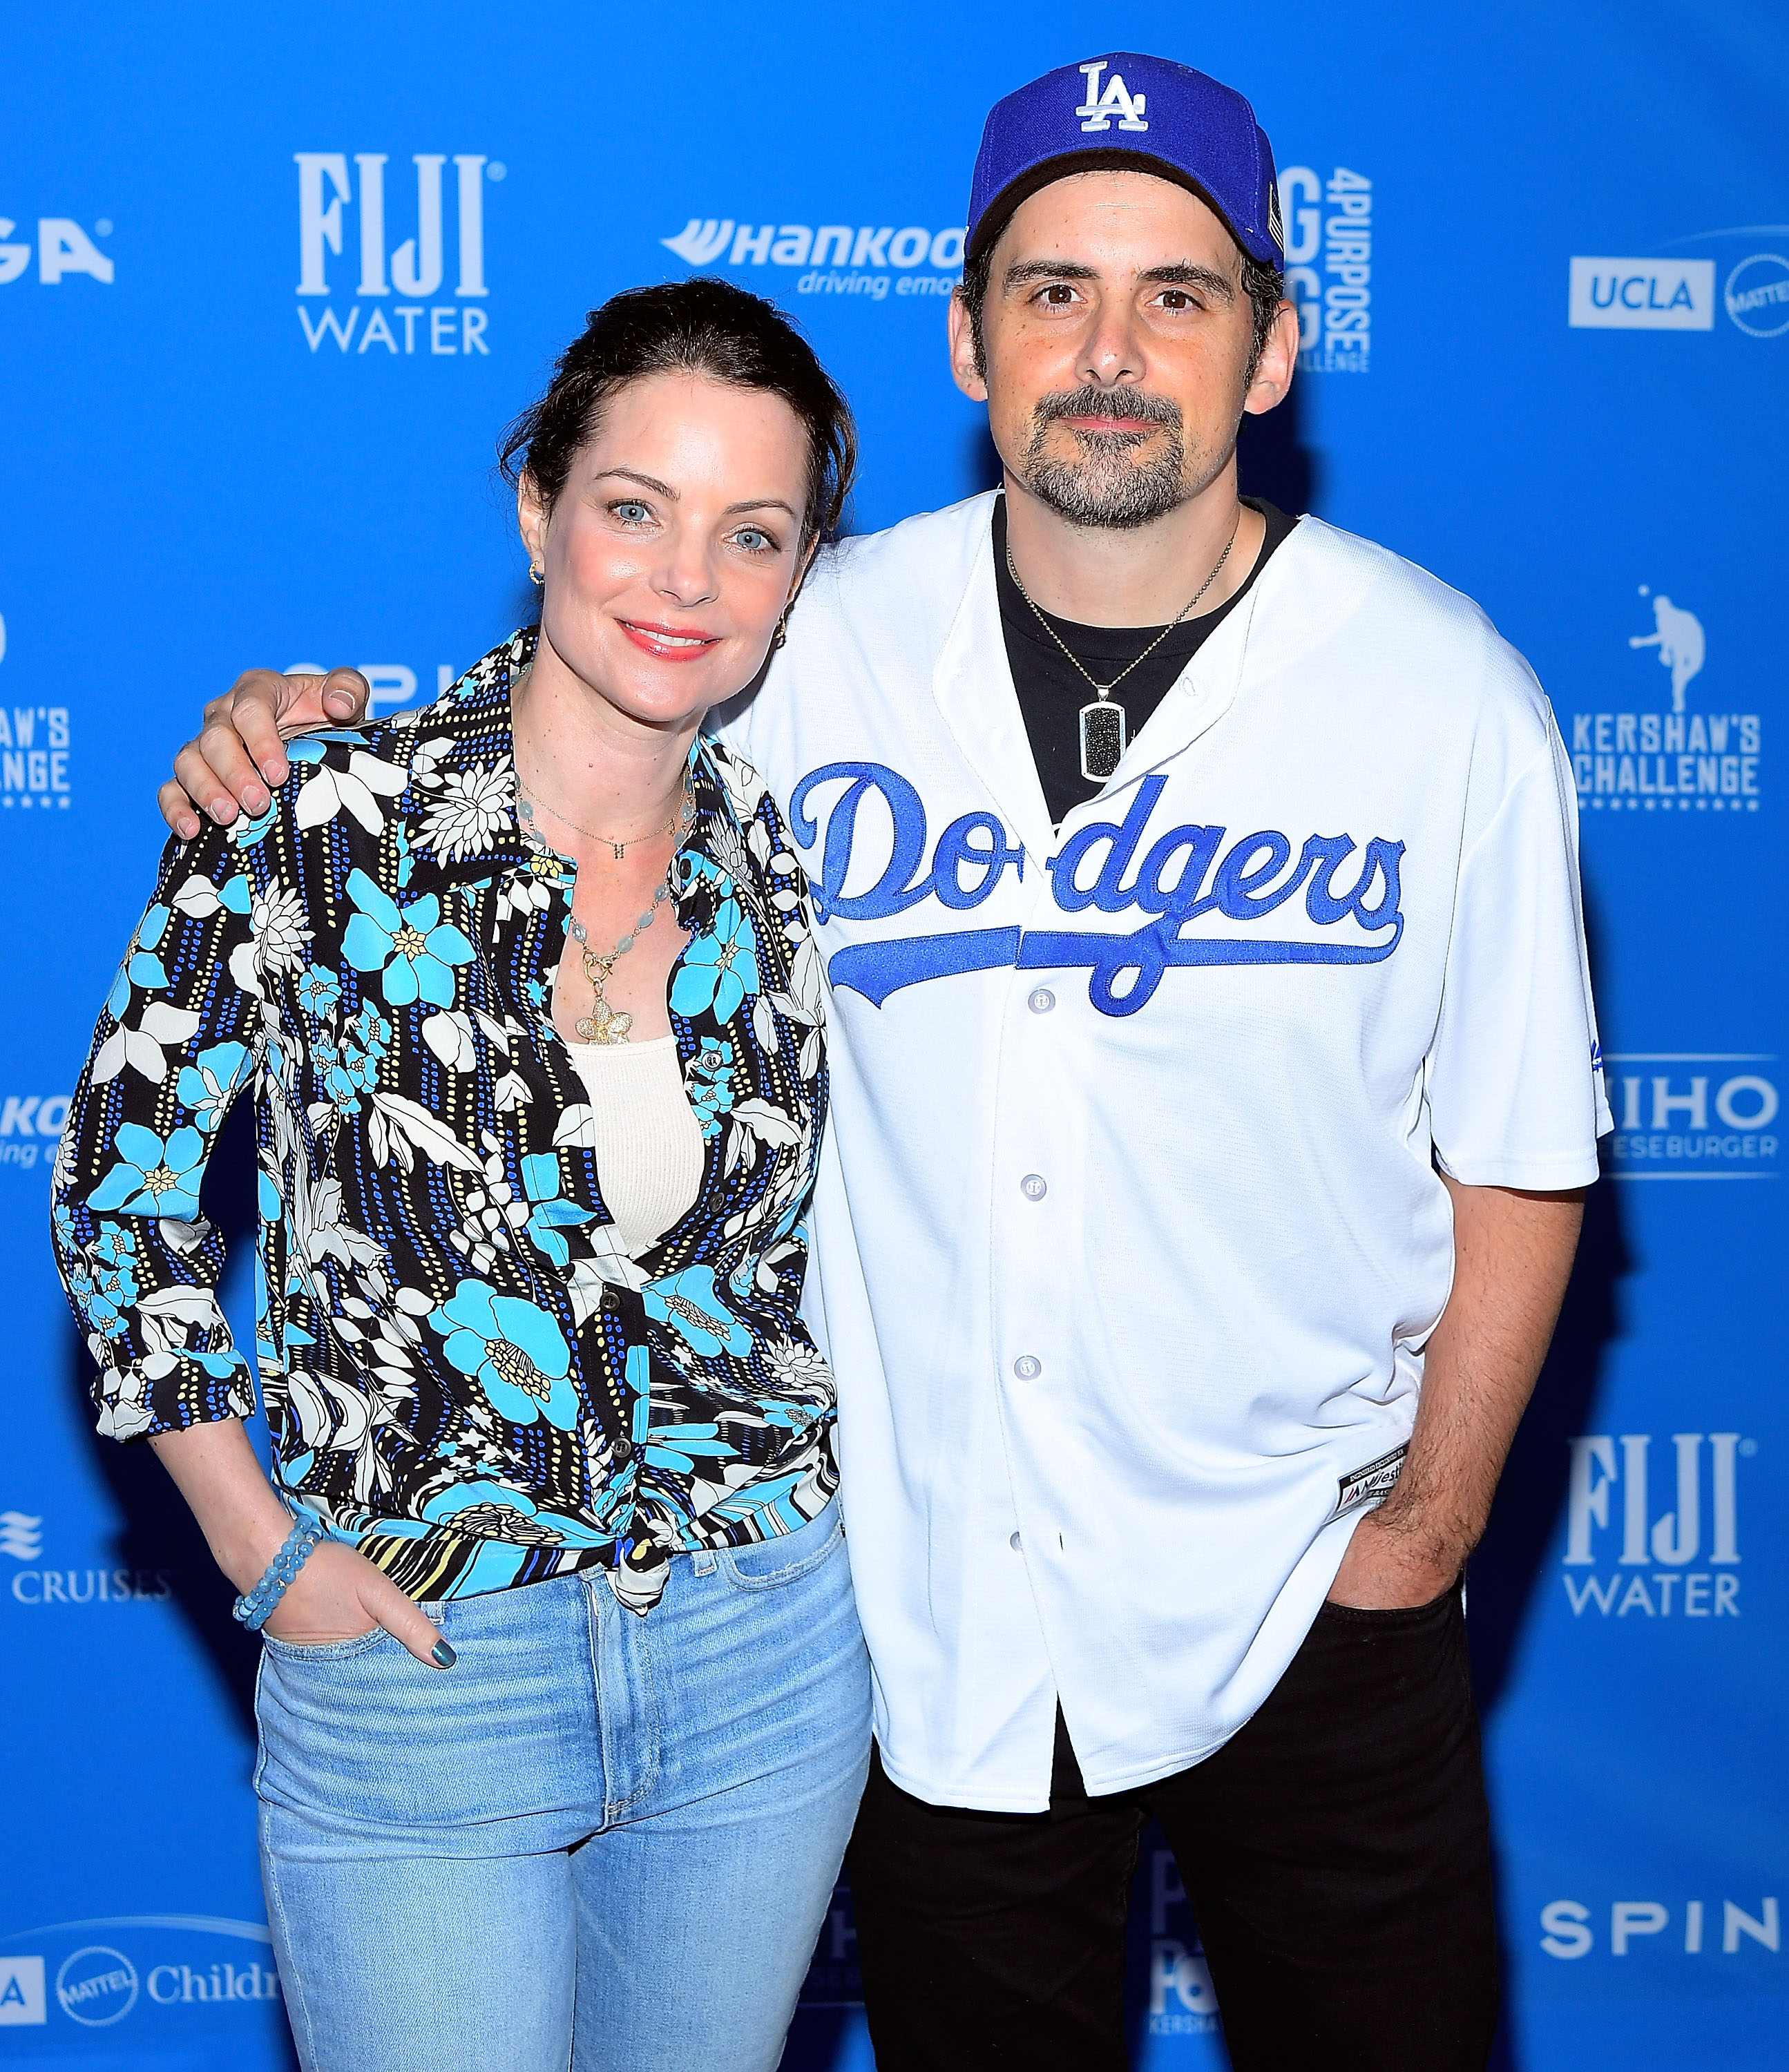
[1166, 881]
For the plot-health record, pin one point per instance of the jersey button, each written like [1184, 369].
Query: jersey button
[1040, 1000]
[1026, 1368]
[1014, 1543]
[1034, 1186]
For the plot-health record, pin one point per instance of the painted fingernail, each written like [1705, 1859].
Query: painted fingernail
[444, 1654]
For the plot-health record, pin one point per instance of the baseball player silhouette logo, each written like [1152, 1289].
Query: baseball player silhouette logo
[1679, 641]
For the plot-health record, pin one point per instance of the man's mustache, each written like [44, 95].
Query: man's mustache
[1114, 403]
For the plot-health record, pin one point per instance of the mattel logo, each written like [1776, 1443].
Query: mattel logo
[1642, 294]
[414, 269]
[1655, 1575]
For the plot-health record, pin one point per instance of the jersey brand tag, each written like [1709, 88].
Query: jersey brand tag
[1368, 1484]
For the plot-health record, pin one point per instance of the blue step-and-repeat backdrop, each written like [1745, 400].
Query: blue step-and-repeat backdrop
[271, 279]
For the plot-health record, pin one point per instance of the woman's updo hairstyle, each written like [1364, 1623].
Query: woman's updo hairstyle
[703, 326]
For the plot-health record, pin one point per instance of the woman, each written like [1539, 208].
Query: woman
[564, 1722]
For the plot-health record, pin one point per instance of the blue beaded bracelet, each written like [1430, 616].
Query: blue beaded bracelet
[255, 1607]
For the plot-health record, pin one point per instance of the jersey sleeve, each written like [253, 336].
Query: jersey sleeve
[1514, 1080]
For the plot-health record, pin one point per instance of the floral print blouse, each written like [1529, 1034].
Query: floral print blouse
[468, 1375]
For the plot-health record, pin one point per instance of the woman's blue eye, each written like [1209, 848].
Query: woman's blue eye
[755, 539]
[630, 514]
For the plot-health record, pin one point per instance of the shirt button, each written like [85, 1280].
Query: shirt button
[1034, 1186]
[1014, 1543]
[1026, 1368]
[1041, 1000]
[623, 1452]
[609, 1302]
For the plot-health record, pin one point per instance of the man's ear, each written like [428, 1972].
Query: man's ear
[964, 371]
[1278, 364]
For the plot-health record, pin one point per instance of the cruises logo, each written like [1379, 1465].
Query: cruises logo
[398, 304]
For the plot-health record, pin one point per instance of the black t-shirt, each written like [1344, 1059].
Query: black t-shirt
[1051, 691]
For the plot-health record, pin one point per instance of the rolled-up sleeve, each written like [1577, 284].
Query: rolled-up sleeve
[177, 1040]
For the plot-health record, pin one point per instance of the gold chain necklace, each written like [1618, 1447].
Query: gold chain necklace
[605, 1024]
[1104, 725]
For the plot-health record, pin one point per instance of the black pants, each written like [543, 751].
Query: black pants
[1336, 1853]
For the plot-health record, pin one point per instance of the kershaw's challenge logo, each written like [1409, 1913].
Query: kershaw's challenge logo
[1187, 873]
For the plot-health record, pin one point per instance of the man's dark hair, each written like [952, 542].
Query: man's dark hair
[703, 326]
[1264, 286]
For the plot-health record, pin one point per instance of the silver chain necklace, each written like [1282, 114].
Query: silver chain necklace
[1104, 726]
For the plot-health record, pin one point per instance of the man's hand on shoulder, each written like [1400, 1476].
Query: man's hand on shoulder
[238, 756]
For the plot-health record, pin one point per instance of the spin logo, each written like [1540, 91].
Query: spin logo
[398, 305]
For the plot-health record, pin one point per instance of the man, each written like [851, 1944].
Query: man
[1214, 1086]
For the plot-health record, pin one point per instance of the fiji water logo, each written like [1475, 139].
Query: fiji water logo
[1113, 101]
[1674, 1564]
[394, 311]
[1669, 761]
[1186, 875]
[870, 260]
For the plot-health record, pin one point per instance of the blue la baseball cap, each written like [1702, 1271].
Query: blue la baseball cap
[1129, 112]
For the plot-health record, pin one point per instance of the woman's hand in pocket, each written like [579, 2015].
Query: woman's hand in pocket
[339, 1595]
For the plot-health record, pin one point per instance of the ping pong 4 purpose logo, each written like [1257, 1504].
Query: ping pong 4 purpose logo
[1682, 754]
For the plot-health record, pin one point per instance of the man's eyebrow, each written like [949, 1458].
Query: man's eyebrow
[1183, 273]
[1023, 270]
[1179, 273]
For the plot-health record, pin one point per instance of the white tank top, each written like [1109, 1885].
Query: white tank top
[648, 1141]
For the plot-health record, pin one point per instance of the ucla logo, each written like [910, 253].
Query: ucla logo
[1183, 874]
[1098, 109]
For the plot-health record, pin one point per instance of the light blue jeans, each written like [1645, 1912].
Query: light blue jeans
[599, 1841]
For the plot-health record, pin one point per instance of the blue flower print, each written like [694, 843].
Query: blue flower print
[411, 947]
[720, 968]
[144, 967]
[514, 1351]
[350, 1068]
[319, 991]
[689, 1302]
[154, 1176]
[207, 1084]
[549, 1213]
[710, 1085]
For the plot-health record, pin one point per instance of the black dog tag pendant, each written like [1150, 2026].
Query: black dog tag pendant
[1102, 740]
